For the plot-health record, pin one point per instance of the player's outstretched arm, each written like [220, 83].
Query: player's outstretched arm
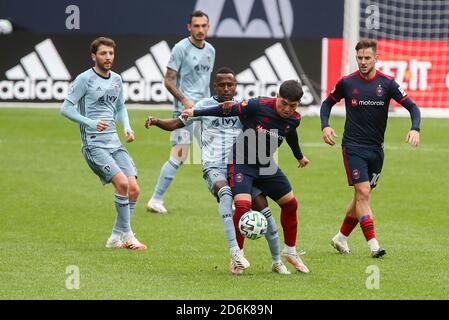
[164, 124]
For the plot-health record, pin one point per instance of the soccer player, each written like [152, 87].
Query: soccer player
[187, 79]
[98, 94]
[267, 122]
[367, 93]
[217, 138]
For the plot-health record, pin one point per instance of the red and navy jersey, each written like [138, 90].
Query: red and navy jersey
[261, 126]
[367, 103]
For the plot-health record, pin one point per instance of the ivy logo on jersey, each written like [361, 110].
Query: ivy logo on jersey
[379, 91]
[106, 98]
[202, 68]
[215, 123]
[354, 102]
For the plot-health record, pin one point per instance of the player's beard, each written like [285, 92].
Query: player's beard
[103, 67]
[199, 38]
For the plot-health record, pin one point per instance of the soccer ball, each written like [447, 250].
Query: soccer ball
[5, 26]
[253, 225]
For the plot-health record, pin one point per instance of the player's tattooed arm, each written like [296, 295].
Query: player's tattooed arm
[169, 83]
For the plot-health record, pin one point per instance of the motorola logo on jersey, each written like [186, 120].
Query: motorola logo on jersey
[364, 103]
[377, 103]
[248, 19]
[273, 133]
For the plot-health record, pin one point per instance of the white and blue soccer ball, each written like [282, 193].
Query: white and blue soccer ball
[5, 26]
[253, 225]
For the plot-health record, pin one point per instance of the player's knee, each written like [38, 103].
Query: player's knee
[290, 206]
[122, 186]
[363, 192]
[133, 191]
[224, 192]
[242, 205]
[180, 153]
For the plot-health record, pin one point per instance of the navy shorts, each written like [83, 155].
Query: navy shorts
[242, 178]
[363, 164]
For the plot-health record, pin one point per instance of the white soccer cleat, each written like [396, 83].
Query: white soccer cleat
[280, 268]
[234, 269]
[131, 242]
[340, 245]
[114, 242]
[156, 206]
[239, 260]
[295, 260]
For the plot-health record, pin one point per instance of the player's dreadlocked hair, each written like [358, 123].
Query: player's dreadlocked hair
[291, 90]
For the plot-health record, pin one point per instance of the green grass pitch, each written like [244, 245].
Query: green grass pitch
[55, 214]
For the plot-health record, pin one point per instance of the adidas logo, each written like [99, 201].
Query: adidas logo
[145, 80]
[41, 75]
[248, 19]
[266, 73]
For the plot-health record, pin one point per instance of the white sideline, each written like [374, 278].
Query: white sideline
[305, 111]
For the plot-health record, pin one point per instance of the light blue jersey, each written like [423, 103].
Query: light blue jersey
[99, 98]
[193, 66]
[217, 135]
